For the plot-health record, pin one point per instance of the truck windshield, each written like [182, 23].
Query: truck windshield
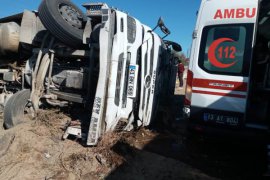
[226, 49]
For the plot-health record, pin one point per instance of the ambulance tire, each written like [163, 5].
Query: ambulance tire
[14, 108]
[57, 21]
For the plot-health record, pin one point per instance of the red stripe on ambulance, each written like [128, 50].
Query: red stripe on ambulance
[219, 94]
[218, 84]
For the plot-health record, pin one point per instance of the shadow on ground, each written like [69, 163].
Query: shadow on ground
[175, 154]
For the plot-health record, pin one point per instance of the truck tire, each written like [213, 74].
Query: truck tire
[64, 20]
[14, 108]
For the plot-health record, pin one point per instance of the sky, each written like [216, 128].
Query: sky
[179, 15]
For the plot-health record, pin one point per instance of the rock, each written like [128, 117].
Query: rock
[100, 159]
[47, 155]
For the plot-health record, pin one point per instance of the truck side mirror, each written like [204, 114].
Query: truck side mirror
[162, 26]
[160, 22]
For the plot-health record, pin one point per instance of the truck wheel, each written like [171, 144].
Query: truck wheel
[64, 20]
[14, 108]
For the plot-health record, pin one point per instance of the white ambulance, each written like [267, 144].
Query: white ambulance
[228, 83]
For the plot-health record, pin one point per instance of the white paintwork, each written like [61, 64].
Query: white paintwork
[110, 113]
[95, 128]
[205, 18]
[149, 108]
[133, 50]
[119, 47]
[219, 102]
[146, 51]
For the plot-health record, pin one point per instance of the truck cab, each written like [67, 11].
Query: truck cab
[103, 63]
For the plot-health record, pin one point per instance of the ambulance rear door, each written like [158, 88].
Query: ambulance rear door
[221, 68]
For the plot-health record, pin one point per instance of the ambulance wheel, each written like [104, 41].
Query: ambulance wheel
[15, 108]
[64, 20]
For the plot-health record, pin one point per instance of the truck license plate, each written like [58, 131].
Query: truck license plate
[132, 81]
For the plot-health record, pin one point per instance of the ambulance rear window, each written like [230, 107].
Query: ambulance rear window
[226, 49]
[233, 33]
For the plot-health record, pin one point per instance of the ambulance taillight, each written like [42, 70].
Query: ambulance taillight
[188, 88]
[187, 101]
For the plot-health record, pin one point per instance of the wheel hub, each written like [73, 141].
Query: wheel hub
[71, 15]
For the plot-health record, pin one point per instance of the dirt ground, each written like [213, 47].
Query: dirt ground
[35, 150]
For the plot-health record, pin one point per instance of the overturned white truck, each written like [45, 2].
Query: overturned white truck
[105, 62]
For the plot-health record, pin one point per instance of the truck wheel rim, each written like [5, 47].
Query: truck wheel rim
[70, 15]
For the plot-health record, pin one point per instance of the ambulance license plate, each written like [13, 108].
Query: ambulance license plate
[221, 119]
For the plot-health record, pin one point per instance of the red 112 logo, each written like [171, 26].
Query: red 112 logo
[227, 52]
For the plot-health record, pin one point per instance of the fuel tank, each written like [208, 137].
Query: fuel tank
[9, 38]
